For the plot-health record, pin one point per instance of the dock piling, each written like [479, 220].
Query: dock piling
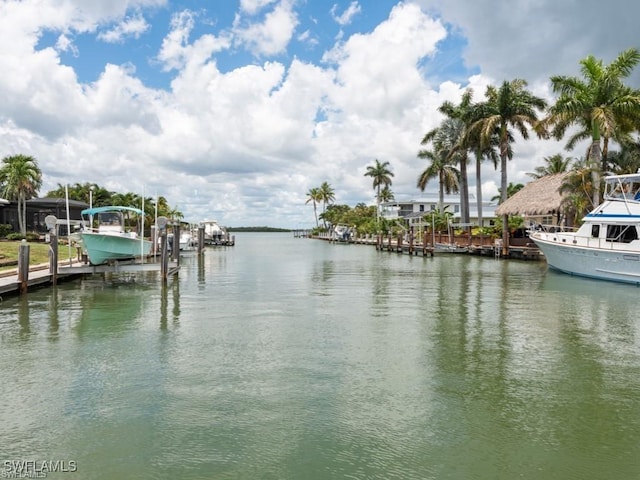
[23, 266]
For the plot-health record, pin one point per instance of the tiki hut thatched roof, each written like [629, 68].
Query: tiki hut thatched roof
[539, 197]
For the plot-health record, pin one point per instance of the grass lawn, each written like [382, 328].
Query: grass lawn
[38, 253]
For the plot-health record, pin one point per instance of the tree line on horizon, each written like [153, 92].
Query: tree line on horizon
[597, 106]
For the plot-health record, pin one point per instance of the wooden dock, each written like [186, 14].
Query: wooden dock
[422, 247]
[11, 282]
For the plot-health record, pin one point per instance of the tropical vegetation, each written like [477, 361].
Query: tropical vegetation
[601, 106]
[21, 179]
[381, 175]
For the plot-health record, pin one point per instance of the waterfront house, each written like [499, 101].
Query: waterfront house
[413, 211]
[37, 211]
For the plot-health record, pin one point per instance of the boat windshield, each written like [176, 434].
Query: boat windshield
[110, 218]
[627, 188]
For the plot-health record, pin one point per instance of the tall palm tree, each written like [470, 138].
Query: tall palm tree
[600, 105]
[553, 164]
[510, 106]
[482, 149]
[327, 195]
[463, 113]
[21, 178]
[381, 176]
[315, 196]
[442, 161]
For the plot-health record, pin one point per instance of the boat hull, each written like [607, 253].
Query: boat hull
[102, 248]
[614, 265]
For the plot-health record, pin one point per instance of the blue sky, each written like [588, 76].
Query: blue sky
[318, 28]
[234, 109]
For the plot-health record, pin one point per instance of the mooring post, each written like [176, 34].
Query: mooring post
[154, 240]
[53, 257]
[411, 242]
[51, 221]
[200, 239]
[23, 266]
[175, 247]
[164, 256]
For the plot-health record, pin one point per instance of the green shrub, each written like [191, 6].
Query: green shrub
[29, 237]
[5, 229]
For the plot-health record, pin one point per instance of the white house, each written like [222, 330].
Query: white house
[413, 211]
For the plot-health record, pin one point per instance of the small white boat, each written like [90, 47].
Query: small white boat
[342, 233]
[105, 237]
[607, 245]
[214, 234]
[187, 241]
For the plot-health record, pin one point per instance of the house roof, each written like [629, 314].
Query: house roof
[52, 202]
[539, 197]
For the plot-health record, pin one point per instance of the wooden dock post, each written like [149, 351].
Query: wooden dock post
[53, 257]
[175, 247]
[164, 257]
[411, 242]
[50, 221]
[200, 239]
[23, 266]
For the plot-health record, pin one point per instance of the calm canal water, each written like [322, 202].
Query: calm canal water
[284, 358]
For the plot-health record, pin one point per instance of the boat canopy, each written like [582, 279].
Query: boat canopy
[96, 210]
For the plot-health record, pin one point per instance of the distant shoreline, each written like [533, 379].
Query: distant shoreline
[257, 229]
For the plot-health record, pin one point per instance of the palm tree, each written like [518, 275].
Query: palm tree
[627, 160]
[512, 189]
[577, 190]
[442, 161]
[174, 214]
[511, 105]
[553, 164]
[87, 192]
[386, 195]
[314, 195]
[463, 113]
[600, 105]
[381, 177]
[327, 195]
[481, 149]
[21, 178]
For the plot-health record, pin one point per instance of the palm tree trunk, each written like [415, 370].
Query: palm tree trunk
[441, 192]
[479, 189]
[595, 157]
[22, 207]
[464, 191]
[503, 197]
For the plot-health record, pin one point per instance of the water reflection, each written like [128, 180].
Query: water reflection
[318, 361]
